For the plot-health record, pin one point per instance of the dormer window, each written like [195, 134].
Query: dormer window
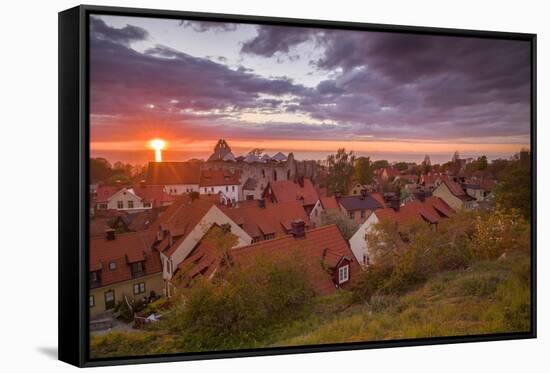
[95, 279]
[138, 269]
[343, 274]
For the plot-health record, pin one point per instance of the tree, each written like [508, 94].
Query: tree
[513, 190]
[100, 169]
[341, 167]
[363, 170]
[347, 226]
[479, 164]
[382, 163]
[401, 166]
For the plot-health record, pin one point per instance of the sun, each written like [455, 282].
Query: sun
[158, 145]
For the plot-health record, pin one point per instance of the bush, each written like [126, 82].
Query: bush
[242, 306]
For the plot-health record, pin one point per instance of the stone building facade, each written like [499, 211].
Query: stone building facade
[255, 175]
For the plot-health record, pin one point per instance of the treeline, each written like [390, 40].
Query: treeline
[119, 173]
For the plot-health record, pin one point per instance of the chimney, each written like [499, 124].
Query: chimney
[395, 203]
[261, 203]
[298, 228]
[110, 234]
[363, 193]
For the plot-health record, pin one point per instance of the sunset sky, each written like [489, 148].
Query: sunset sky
[304, 90]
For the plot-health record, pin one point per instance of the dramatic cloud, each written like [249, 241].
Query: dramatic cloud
[203, 26]
[163, 82]
[374, 85]
[273, 39]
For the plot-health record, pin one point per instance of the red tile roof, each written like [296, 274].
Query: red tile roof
[219, 177]
[173, 173]
[181, 218]
[126, 248]
[329, 203]
[104, 193]
[287, 191]
[154, 194]
[379, 198]
[274, 218]
[320, 250]
[432, 210]
[392, 172]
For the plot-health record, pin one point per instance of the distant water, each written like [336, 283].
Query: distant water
[143, 157]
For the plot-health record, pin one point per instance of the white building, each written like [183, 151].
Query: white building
[123, 199]
[222, 182]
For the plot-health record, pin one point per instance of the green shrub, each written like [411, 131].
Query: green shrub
[242, 307]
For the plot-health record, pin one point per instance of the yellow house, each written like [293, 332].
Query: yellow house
[123, 265]
[453, 194]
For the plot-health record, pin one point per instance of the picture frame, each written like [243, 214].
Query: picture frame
[74, 183]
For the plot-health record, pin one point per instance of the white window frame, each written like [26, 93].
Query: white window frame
[139, 288]
[91, 301]
[343, 274]
[112, 266]
[130, 204]
[119, 204]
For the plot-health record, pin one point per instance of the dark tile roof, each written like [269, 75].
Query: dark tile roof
[368, 202]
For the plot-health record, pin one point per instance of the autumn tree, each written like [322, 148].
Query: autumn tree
[513, 190]
[347, 226]
[363, 170]
[341, 167]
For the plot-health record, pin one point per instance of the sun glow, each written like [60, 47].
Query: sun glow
[158, 145]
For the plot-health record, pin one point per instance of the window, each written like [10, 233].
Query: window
[95, 279]
[249, 197]
[350, 214]
[363, 213]
[147, 204]
[226, 188]
[130, 204]
[205, 190]
[119, 204]
[112, 266]
[233, 188]
[109, 299]
[269, 236]
[102, 206]
[92, 301]
[137, 269]
[316, 212]
[343, 274]
[263, 173]
[139, 288]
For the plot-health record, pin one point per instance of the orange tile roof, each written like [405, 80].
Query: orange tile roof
[154, 194]
[274, 218]
[379, 198]
[126, 248]
[181, 218]
[287, 191]
[321, 248]
[168, 173]
[219, 177]
[329, 203]
[104, 193]
[432, 210]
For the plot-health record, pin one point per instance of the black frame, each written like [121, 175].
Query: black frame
[73, 333]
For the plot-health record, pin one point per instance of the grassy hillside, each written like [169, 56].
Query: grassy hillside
[488, 297]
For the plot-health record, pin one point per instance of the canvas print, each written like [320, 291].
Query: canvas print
[256, 186]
